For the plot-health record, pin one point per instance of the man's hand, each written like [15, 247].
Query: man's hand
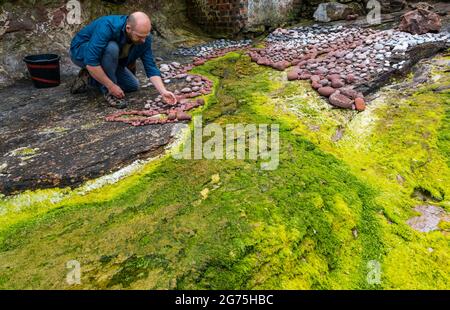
[116, 91]
[169, 97]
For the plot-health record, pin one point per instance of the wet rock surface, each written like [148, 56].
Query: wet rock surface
[429, 219]
[50, 138]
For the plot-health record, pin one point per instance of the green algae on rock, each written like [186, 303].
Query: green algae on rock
[319, 221]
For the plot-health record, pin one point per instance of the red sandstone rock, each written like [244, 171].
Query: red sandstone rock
[182, 116]
[315, 78]
[332, 77]
[360, 104]
[350, 78]
[172, 115]
[324, 82]
[341, 101]
[293, 74]
[304, 76]
[316, 85]
[337, 83]
[326, 91]
[199, 62]
[281, 65]
[200, 101]
[420, 21]
[262, 61]
[351, 93]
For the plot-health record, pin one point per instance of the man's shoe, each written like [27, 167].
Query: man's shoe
[81, 83]
[115, 102]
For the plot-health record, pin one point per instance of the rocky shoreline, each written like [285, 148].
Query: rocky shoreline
[344, 64]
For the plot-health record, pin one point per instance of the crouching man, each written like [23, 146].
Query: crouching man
[107, 50]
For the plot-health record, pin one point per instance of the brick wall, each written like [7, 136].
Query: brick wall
[218, 16]
[232, 16]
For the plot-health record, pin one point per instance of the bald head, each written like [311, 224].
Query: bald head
[138, 27]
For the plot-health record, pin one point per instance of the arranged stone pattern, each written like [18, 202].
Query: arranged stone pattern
[210, 47]
[152, 116]
[336, 59]
[156, 109]
[194, 86]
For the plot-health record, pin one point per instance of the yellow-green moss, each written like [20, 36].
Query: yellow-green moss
[317, 221]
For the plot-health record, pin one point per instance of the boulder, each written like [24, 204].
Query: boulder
[420, 21]
[331, 11]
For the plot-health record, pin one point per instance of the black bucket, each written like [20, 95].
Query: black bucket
[44, 70]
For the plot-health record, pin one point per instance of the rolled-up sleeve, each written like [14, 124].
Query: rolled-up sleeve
[97, 44]
[148, 61]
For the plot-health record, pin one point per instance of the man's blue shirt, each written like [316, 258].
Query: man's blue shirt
[90, 43]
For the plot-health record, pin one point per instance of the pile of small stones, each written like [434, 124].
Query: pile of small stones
[336, 58]
[211, 47]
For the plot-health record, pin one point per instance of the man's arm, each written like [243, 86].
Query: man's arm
[154, 74]
[97, 45]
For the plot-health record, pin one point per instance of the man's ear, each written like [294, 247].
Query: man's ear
[128, 28]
